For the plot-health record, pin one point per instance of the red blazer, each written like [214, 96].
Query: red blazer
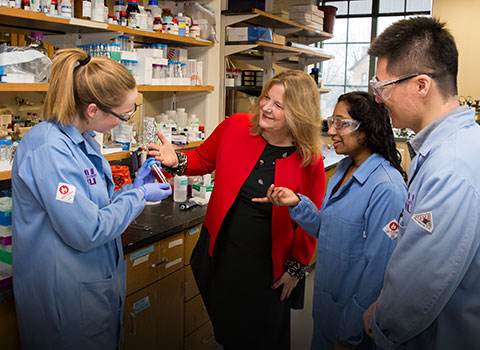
[232, 151]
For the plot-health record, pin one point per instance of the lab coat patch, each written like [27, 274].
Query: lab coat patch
[65, 192]
[424, 220]
[391, 229]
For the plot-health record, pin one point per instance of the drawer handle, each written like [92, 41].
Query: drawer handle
[164, 260]
[206, 341]
[134, 324]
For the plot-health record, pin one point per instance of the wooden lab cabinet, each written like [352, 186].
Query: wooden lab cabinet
[154, 307]
[154, 315]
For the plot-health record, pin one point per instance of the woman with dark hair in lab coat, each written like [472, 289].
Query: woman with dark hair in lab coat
[357, 224]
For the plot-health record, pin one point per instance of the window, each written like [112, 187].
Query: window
[356, 24]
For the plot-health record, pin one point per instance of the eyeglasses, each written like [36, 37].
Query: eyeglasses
[378, 87]
[341, 124]
[125, 117]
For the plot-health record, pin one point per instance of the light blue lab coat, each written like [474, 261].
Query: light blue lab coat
[68, 265]
[431, 297]
[353, 248]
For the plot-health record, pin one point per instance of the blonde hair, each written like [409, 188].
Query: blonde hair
[72, 86]
[301, 103]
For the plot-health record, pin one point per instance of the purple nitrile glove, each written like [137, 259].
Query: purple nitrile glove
[155, 192]
[144, 174]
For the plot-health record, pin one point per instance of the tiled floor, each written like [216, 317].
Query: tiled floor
[302, 322]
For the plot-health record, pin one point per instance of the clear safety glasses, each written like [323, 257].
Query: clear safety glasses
[125, 117]
[342, 125]
[378, 87]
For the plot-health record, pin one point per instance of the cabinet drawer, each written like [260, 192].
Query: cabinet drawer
[202, 339]
[191, 288]
[171, 254]
[150, 263]
[195, 314]
[191, 238]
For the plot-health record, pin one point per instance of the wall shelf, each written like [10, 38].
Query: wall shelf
[5, 87]
[281, 26]
[23, 21]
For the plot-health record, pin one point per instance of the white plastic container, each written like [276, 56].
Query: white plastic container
[180, 184]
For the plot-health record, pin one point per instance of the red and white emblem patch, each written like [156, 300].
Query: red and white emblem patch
[65, 193]
[424, 220]
[391, 229]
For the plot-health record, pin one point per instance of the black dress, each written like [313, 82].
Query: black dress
[236, 284]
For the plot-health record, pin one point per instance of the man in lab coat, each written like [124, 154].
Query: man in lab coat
[430, 297]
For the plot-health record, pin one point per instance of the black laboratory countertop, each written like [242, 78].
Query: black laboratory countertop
[159, 221]
[156, 222]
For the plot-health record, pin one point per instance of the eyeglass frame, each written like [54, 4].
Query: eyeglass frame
[119, 116]
[355, 124]
[378, 85]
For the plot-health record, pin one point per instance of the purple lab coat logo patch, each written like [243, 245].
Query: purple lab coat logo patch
[91, 176]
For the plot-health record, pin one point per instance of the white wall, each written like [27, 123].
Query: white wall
[462, 20]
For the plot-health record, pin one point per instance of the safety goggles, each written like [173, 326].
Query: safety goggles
[342, 125]
[378, 87]
[125, 117]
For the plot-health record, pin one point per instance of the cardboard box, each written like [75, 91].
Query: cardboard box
[249, 34]
[281, 13]
[177, 54]
[314, 25]
[304, 8]
[306, 16]
[202, 191]
[279, 39]
[285, 4]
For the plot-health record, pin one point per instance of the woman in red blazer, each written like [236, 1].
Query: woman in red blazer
[250, 256]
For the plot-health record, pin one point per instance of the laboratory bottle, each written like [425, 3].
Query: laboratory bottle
[167, 15]
[133, 14]
[180, 185]
[83, 9]
[157, 24]
[3, 151]
[25, 5]
[182, 117]
[97, 10]
[37, 43]
[118, 7]
[149, 19]
[66, 8]
[123, 18]
[153, 6]
[182, 24]
[105, 11]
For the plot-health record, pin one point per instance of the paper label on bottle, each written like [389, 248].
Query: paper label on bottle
[86, 9]
[65, 192]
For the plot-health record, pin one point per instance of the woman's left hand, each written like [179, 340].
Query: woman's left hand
[289, 282]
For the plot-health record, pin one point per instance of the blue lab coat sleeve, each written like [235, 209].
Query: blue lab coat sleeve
[81, 224]
[307, 215]
[427, 267]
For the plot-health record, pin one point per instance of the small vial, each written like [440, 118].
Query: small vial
[156, 171]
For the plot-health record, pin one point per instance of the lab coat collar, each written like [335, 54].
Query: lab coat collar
[458, 118]
[368, 167]
[73, 134]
